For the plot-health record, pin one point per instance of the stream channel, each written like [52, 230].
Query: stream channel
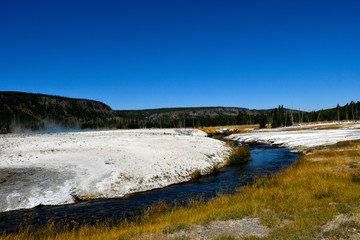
[265, 160]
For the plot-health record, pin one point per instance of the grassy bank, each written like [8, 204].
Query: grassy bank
[239, 154]
[298, 203]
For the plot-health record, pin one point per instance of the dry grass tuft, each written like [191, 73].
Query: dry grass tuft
[240, 155]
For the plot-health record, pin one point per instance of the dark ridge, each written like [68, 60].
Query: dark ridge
[192, 112]
[22, 112]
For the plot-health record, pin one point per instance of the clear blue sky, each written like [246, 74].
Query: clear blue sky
[151, 54]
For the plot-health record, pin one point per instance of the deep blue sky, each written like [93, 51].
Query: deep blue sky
[152, 54]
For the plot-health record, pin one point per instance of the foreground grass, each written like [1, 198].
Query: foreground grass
[293, 204]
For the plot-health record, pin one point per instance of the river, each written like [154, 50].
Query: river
[265, 160]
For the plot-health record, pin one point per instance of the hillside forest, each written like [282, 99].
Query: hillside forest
[22, 112]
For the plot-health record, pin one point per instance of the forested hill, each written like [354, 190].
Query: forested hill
[195, 116]
[188, 117]
[26, 111]
[191, 112]
[38, 111]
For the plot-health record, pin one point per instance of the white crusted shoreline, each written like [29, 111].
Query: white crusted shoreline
[51, 168]
[299, 138]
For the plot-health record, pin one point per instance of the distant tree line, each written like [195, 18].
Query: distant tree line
[277, 117]
[37, 112]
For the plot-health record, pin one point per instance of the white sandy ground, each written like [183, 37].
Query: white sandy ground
[54, 167]
[319, 125]
[299, 138]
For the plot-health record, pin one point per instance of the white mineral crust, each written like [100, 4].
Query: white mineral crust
[299, 138]
[52, 168]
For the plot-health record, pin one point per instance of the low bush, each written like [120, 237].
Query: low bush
[215, 170]
[239, 155]
[195, 175]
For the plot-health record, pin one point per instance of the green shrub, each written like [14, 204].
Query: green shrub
[239, 155]
[218, 137]
[195, 175]
[215, 170]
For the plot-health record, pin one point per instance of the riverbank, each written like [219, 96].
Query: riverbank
[265, 160]
[301, 137]
[60, 168]
[318, 197]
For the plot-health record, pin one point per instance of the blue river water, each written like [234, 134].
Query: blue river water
[265, 160]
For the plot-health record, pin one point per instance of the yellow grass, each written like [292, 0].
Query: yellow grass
[232, 128]
[208, 130]
[294, 204]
